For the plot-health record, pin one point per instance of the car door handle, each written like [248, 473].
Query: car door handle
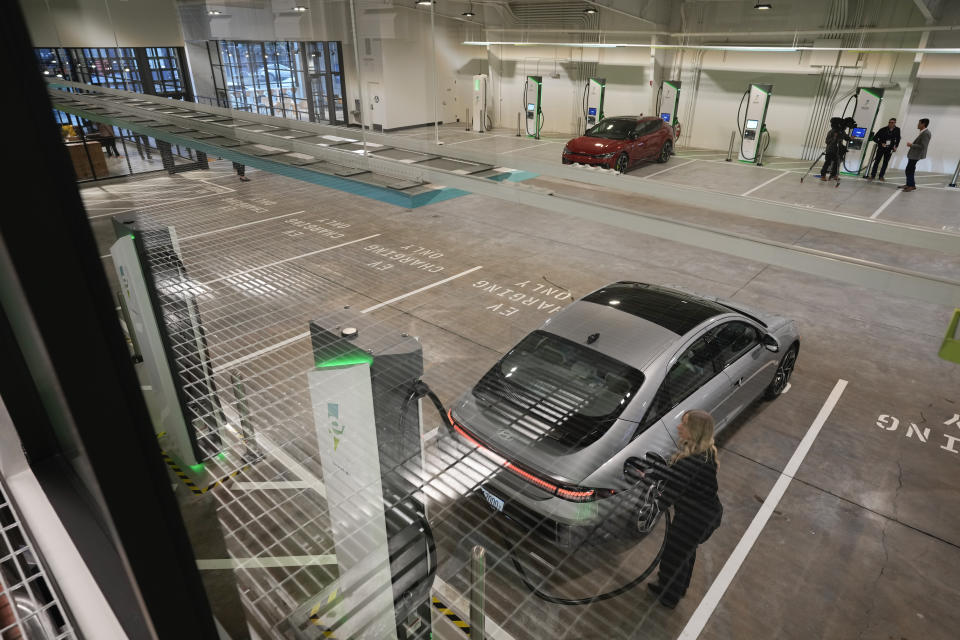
[738, 382]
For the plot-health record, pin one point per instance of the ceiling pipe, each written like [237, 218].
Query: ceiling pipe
[724, 34]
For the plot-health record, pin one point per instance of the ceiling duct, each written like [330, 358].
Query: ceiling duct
[549, 14]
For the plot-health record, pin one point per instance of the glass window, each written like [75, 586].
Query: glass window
[732, 340]
[576, 392]
[612, 128]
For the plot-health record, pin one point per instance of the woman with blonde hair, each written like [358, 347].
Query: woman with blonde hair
[691, 487]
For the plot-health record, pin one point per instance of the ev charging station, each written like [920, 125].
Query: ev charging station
[594, 94]
[368, 433]
[867, 106]
[479, 109]
[669, 102]
[168, 341]
[532, 96]
[753, 124]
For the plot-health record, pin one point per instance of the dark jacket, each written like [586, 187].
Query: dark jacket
[882, 136]
[835, 140]
[691, 487]
[919, 149]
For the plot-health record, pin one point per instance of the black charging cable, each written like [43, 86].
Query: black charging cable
[420, 389]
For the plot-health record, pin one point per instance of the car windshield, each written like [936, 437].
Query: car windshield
[550, 387]
[613, 129]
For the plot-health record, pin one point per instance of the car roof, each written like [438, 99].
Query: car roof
[675, 311]
[622, 336]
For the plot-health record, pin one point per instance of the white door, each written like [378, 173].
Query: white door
[376, 105]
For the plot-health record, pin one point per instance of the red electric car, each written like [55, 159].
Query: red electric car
[621, 142]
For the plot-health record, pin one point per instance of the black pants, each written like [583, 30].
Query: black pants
[687, 532]
[110, 144]
[239, 168]
[831, 165]
[911, 170]
[883, 153]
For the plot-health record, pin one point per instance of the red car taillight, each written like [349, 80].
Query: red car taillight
[573, 494]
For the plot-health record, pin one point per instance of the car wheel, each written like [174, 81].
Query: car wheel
[645, 515]
[782, 376]
[665, 152]
[621, 163]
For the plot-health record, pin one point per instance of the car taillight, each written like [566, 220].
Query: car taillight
[573, 494]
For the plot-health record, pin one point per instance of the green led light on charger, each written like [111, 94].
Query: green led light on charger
[346, 359]
[197, 468]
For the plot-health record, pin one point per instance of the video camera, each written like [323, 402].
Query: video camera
[842, 123]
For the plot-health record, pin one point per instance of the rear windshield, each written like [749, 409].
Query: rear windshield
[549, 387]
[612, 129]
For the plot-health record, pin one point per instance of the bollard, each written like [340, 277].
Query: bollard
[733, 138]
[478, 568]
[956, 174]
[761, 147]
[469, 122]
[519, 120]
[581, 128]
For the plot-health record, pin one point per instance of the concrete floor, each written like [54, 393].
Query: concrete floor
[864, 542]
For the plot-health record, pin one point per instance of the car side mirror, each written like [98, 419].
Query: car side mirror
[770, 343]
[633, 135]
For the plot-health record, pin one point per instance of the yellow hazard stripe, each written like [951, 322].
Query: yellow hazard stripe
[451, 616]
[190, 483]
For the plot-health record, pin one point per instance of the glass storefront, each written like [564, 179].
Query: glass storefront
[297, 80]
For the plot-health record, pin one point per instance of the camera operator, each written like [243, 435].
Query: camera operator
[691, 486]
[836, 147]
[887, 139]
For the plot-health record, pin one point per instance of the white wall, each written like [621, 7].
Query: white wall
[103, 23]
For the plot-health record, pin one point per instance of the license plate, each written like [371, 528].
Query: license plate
[492, 500]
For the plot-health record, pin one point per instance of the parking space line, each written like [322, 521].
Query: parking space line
[669, 168]
[885, 204]
[285, 260]
[709, 603]
[532, 146]
[265, 562]
[238, 226]
[284, 458]
[415, 291]
[760, 186]
[256, 354]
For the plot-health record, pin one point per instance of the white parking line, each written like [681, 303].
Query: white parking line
[284, 458]
[760, 186]
[260, 352]
[265, 562]
[277, 485]
[539, 144]
[285, 260]
[709, 603]
[886, 204]
[415, 291]
[669, 168]
[238, 226]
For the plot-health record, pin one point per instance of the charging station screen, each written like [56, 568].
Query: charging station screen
[665, 117]
[531, 107]
[592, 111]
[752, 124]
[858, 133]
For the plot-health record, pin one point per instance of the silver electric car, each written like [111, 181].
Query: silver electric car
[605, 382]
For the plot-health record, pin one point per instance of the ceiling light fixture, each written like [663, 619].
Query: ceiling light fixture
[424, 3]
[469, 12]
[763, 6]
[299, 9]
[214, 12]
[590, 11]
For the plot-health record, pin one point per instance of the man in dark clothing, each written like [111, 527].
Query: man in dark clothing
[835, 150]
[918, 151]
[887, 139]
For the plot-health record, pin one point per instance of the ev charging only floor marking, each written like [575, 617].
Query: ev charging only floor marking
[886, 203]
[712, 598]
[760, 186]
[669, 168]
